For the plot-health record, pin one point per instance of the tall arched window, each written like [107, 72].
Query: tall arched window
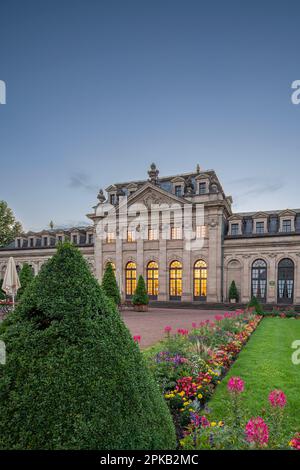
[152, 280]
[259, 280]
[175, 280]
[130, 279]
[286, 273]
[200, 280]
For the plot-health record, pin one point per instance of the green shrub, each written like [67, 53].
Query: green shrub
[109, 284]
[140, 296]
[233, 292]
[74, 378]
[26, 276]
[254, 303]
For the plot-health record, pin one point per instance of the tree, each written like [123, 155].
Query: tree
[26, 276]
[140, 296]
[74, 378]
[9, 227]
[109, 284]
[254, 303]
[233, 292]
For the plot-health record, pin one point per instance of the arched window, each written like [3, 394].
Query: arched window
[152, 280]
[130, 279]
[175, 280]
[259, 280]
[286, 273]
[200, 280]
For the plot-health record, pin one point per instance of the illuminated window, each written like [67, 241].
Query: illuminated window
[152, 234]
[131, 236]
[176, 233]
[201, 231]
[130, 279]
[200, 280]
[175, 280]
[152, 279]
[111, 237]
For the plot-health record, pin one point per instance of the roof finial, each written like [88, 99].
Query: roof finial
[153, 173]
[198, 168]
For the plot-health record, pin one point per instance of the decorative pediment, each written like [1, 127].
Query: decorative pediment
[287, 213]
[260, 215]
[150, 194]
[178, 179]
[236, 217]
[202, 176]
[110, 188]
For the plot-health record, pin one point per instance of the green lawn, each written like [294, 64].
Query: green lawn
[265, 364]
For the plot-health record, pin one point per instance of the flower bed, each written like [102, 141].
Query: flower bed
[192, 363]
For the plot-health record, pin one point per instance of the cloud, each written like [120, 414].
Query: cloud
[253, 185]
[80, 180]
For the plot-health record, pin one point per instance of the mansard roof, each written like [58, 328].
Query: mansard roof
[279, 212]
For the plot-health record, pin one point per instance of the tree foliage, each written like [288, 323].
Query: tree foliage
[26, 276]
[74, 378]
[254, 303]
[140, 296]
[109, 284]
[233, 292]
[9, 227]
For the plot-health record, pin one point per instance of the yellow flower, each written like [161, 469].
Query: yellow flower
[191, 410]
[181, 393]
[213, 424]
[221, 423]
[199, 386]
[186, 403]
[200, 395]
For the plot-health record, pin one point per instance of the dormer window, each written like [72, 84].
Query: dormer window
[234, 229]
[74, 239]
[112, 199]
[260, 227]
[90, 239]
[31, 242]
[202, 187]
[178, 190]
[287, 225]
[45, 241]
[19, 243]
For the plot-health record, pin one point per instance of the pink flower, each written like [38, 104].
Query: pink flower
[137, 339]
[168, 329]
[182, 331]
[218, 317]
[257, 431]
[295, 442]
[194, 325]
[235, 385]
[277, 399]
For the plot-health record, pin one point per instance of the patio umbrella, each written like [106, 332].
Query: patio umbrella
[11, 282]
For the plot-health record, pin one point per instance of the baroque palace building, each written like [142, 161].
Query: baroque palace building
[260, 251]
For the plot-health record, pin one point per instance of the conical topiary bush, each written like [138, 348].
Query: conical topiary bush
[140, 298]
[109, 284]
[74, 378]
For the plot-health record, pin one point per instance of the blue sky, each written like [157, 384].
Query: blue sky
[97, 90]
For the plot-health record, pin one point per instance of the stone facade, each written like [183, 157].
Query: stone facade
[259, 251]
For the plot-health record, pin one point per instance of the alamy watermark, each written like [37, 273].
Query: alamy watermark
[152, 221]
[296, 354]
[2, 92]
[295, 97]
